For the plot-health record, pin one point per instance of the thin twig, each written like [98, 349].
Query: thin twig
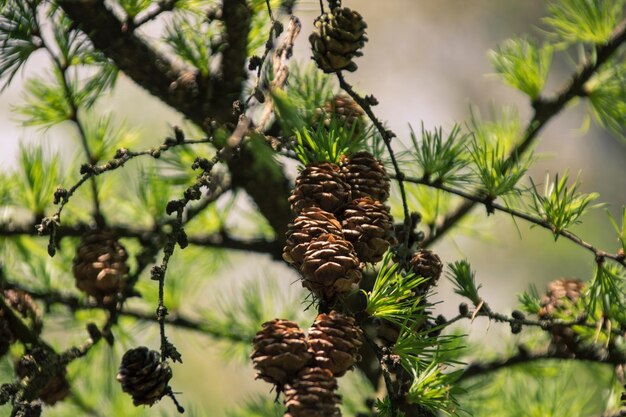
[280, 66]
[484, 368]
[477, 199]
[162, 7]
[49, 225]
[387, 135]
[178, 320]
[543, 324]
[219, 240]
[62, 68]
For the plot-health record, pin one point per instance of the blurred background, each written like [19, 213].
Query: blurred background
[426, 62]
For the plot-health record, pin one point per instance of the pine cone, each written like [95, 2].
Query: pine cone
[320, 185]
[330, 266]
[280, 351]
[366, 176]
[426, 264]
[562, 294]
[345, 111]
[36, 367]
[100, 265]
[560, 300]
[335, 340]
[312, 394]
[368, 225]
[26, 306]
[144, 376]
[337, 38]
[312, 223]
[23, 304]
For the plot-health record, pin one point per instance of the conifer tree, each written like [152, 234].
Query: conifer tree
[112, 246]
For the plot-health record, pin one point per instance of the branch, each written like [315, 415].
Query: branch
[162, 7]
[544, 111]
[183, 322]
[136, 58]
[224, 241]
[523, 357]
[179, 87]
[236, 17]
[50, 225]
[62, 68]
[50, 298]
[220, 240]
[245, 173]
[477, 199]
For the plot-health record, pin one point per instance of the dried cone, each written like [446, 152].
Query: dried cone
[368, 225]
[144, 376]
[312, 223]
[35, 368]
[330, 267]
[100, 265]
[345, 111]
[280, 351]
[337, 38]
[26, 307]
[366, 176]
[336, 340]
[560, 300]
[427, 264]
[312, 394]
[320, 185]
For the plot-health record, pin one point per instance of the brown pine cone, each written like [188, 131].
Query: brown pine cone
[330, 267]
[100, 265]
[560, 301]
[337, 38]
[368, 225]
[280, 351]
[427, 264]
[26, 306]
[335, 340]
[320, 185]
[144, 376]
[312, 223]
[312, 394]
[366, 176]
[562, 294]
[35, 367]
[344, 110]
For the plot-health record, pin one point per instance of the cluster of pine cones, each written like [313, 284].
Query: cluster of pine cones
[342, 221]
[306, 368]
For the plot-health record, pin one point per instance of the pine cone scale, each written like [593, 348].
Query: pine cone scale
[144, 376]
